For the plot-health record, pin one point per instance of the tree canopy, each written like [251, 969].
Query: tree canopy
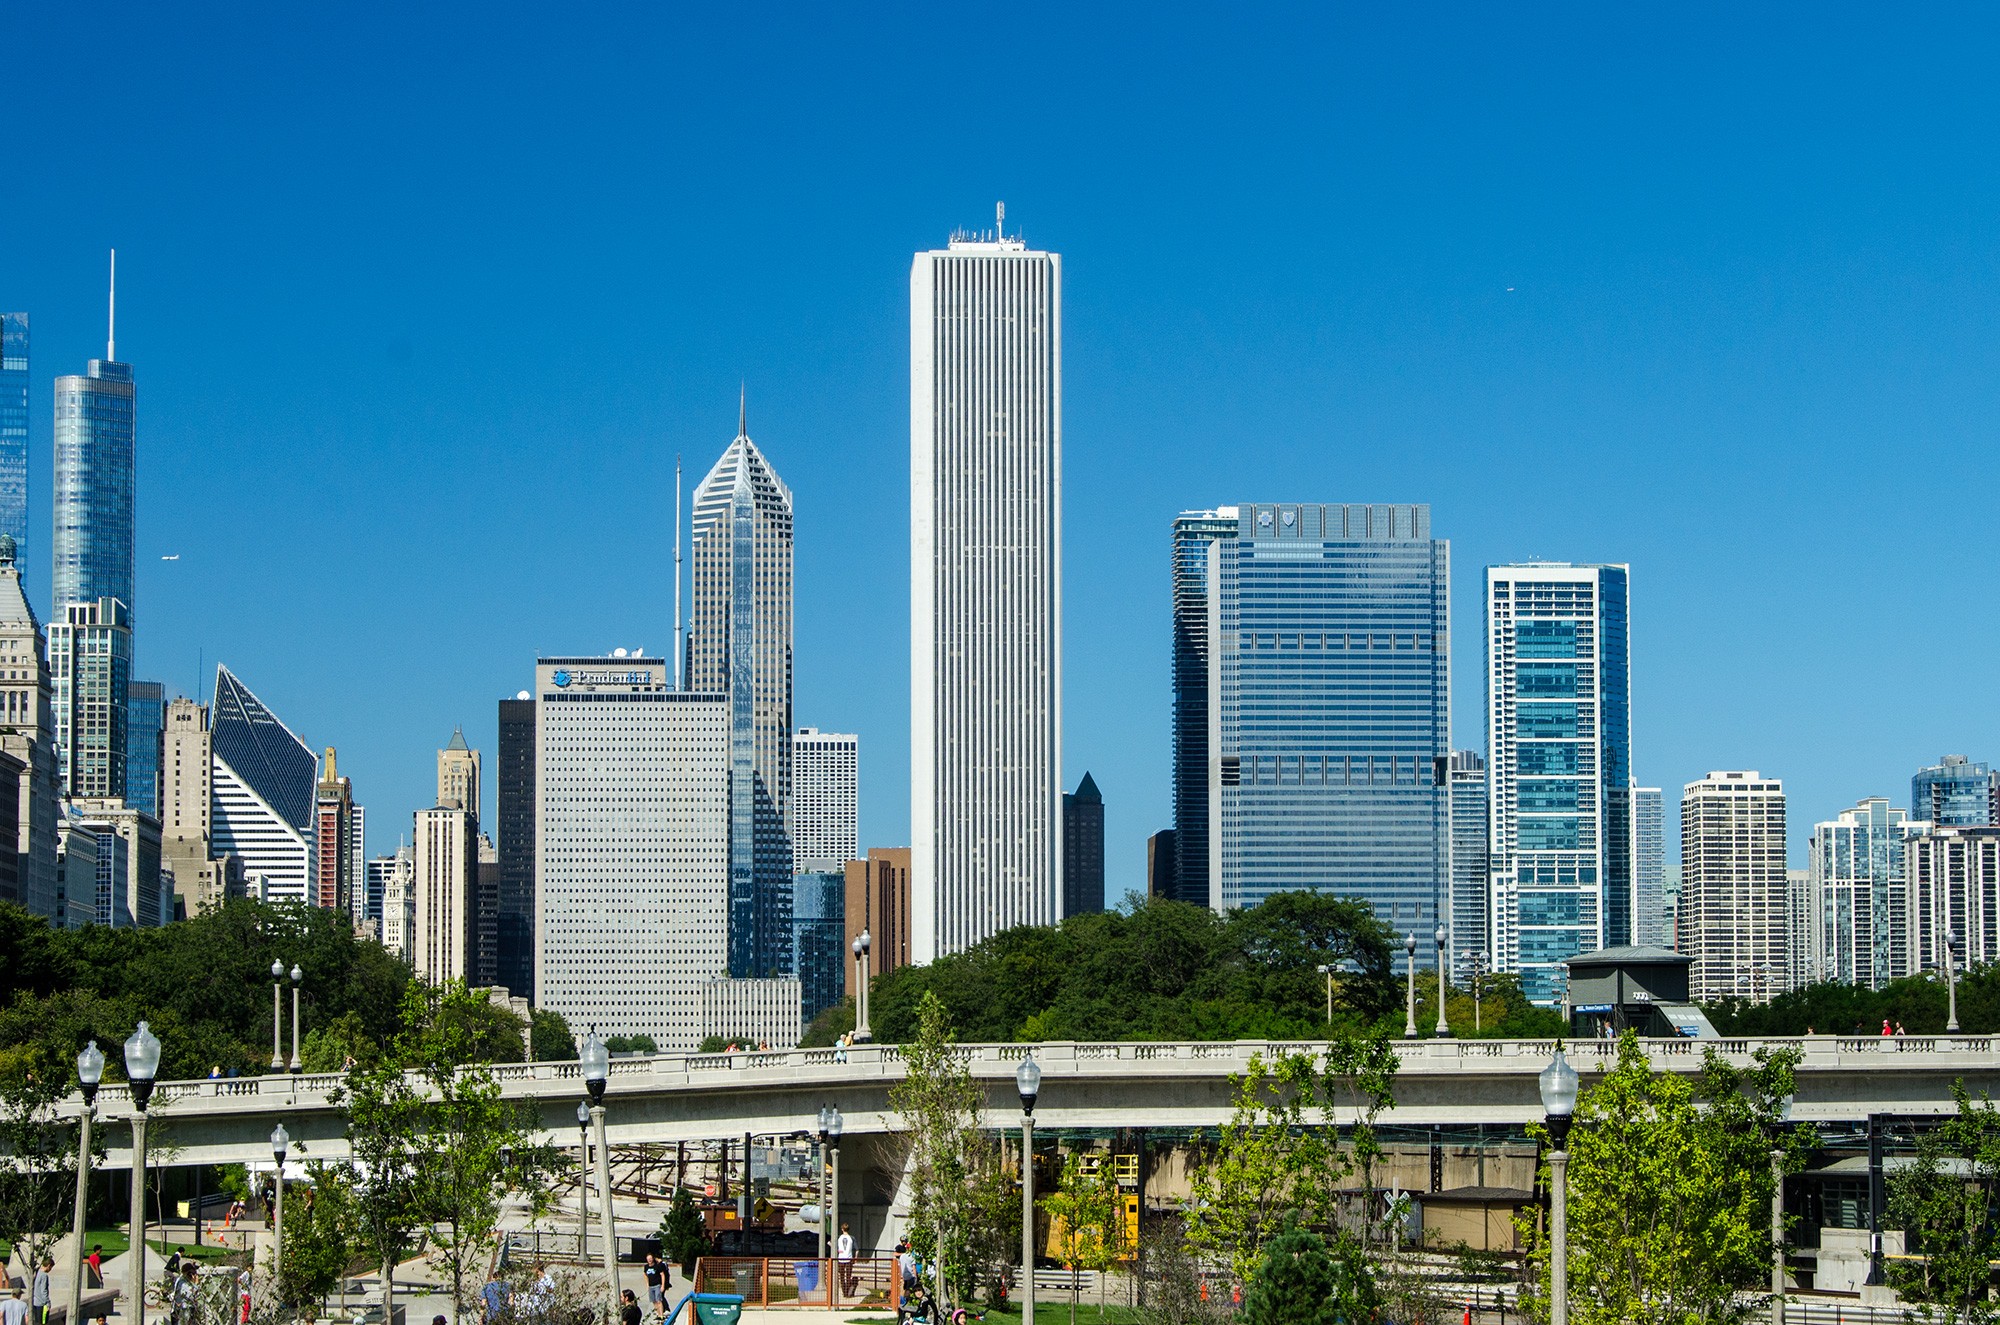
[1917, 1003]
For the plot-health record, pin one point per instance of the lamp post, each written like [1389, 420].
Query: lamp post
[596, 1061]
[1028, 1081]
[1951, 981]
[820, 1180]
[142, 1060]
[1444, 987]
[862, 1035]
[1410, 970]
[277, 1016]
[1558, 1082]
[89, 1071]
[1784, 1111]
[1326, 969]
[298, 978]
[280, 1141]
[583, 1184]
[829, 1209]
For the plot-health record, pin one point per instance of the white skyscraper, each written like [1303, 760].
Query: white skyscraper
[1853, 921]
[985, 591]
[1652, 911]
[824, 799]
[1734, 891]
[631, 846]
[443, 941]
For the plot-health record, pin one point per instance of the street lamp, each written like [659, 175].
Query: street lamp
[596, 1061]
[1410, 970]
[298, 978]
[89, 1071]
[1558, 1082]
[142, 1060]
[1028, 1081]
[862, 1035]
[829, 1208]
[1326, 969]
[583, 1184]
[1951, 980]
[280, 1141]
[1784, 1116]
[1444, 987]
[277, 1016]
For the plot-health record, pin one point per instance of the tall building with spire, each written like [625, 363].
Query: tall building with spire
[97, 486]
[337, 881]
[27, 732]
[985, 590]
[14, 429]
[740, 644]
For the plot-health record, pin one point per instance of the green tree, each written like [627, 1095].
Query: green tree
[319, 1235]
[827, 1028]
[338, 1045]
[1944, 1202]
[1086, 1232]
[382, 1122]
[38, 1181]
[631, 1044]
[683, 1235]
[937, 1107]
[552, 1039]
[1669, 1192]
[1301, 1280]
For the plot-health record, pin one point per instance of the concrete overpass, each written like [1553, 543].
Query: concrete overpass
[672, 1098]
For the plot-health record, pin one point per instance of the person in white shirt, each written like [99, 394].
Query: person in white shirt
[14, 1311]
[843, 1254]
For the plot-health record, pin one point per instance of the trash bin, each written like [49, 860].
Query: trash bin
[808, 1274]
[745, 1275]
[717, 1309]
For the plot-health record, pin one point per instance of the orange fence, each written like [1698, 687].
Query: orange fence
[784, 1281]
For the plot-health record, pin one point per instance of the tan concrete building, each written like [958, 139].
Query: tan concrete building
[1734, 891]
[878, 900]
[27, 732]
[458, 776]
[445, 869]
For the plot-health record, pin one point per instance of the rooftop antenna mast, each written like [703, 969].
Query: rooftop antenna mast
[111, 327]
[680, 649]
[999, 220]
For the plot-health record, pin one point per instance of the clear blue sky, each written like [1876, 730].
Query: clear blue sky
[423, 304]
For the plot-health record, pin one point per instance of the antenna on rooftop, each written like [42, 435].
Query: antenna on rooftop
[999, 220]
[111, 327]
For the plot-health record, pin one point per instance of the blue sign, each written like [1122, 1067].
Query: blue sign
[561, 677]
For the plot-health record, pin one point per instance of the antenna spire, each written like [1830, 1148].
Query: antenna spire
[680, 648]
[111, 327]
[743, 409]
[999, 220]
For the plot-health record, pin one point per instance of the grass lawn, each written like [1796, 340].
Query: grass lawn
[115, 1243]
[1051, 1310]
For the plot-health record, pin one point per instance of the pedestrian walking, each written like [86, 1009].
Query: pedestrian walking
[43, 1292]
[14, 1311]
[94, 1264]
[493, 1298]
[656, 1279]
[628, 1308]
[843, 1255]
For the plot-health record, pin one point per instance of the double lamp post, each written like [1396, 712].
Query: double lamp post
[142, 1062]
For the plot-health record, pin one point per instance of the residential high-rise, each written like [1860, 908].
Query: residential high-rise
[458, 775]
[1956, 793]
[825, 800]
[90, 666]
[740, 644]
[336, 884]
[1652, 909]
[97, 484]
[1733, 897]
[145, 718]
[1330, 711]
[1083, 849]
[878, 904]
[1160, 853]
[1195, 533]
[27, 732]
[819, 948]
[265, 780]
[12, 773]
[1559, 732]
[631, 839]
[444, 938]
[514, 901]
[1952, 890]
[985, 591]
[1470, 943]
[14, 428]
[1856, 917]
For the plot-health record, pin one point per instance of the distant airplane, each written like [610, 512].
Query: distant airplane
[175, 557]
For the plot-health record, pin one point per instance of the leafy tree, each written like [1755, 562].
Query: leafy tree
[827, 1028]
[38, 1181]
[1300, 1280]
[1087, 1232]
[382, 1121]
[1944, 1202]
[683, 1235]
[1669, 1191]
[319, 1235]
[937, 1106]
[631, 1044]
[552, 1040]
[339, 1045]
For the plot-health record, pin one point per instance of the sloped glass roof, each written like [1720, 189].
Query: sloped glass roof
[262, 751]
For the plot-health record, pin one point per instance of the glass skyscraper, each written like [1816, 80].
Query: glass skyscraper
[1652, 909]
[1558, 718]
[14, 429]
[1329, 734]
[96, 495]
[1195, 533]
[1956, 793]
[819, 944]
[145, 727]
[1857, 919]
[1470, 944]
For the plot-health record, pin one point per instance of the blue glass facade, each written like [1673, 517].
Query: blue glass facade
[1469, 942]
[1195, 534]
[1956, 793]
[1331, 716]
[14, 430]
[1559, 725]
[96, 491]
[819, 945]
[145, 729]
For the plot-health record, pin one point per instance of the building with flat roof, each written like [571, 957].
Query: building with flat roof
[1955, 792]
[878, 904]
[90, 666]
[27, 733]
[825, 799]
[14, 428]
[1734, 896]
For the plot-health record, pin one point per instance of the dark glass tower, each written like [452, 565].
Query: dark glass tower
[1083, 849]
[1195, 534]
[145, 730]
[1955, 792]
[96, 494]
[515, 896]
[14, 429]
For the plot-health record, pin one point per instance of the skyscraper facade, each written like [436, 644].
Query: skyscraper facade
[27, 732]
[96, 488]
[1956, 793]
[514, 921]
[264, 781]
[1733, 898]
[878, 905]
[444, 938]
[1652, 908]
[1330, 710]
[90, 665]
[14, 428]
[1952, 891]
[819, 949]
[1855, 917]
[825, 800]
[145, 718]
[1083, 849]
[985, 591]
[336, 884]
[458, 775]
[1195, 533]
[740, 645]
[187, 781]
[1469, 943]
[631, 839]
[1558, 721]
